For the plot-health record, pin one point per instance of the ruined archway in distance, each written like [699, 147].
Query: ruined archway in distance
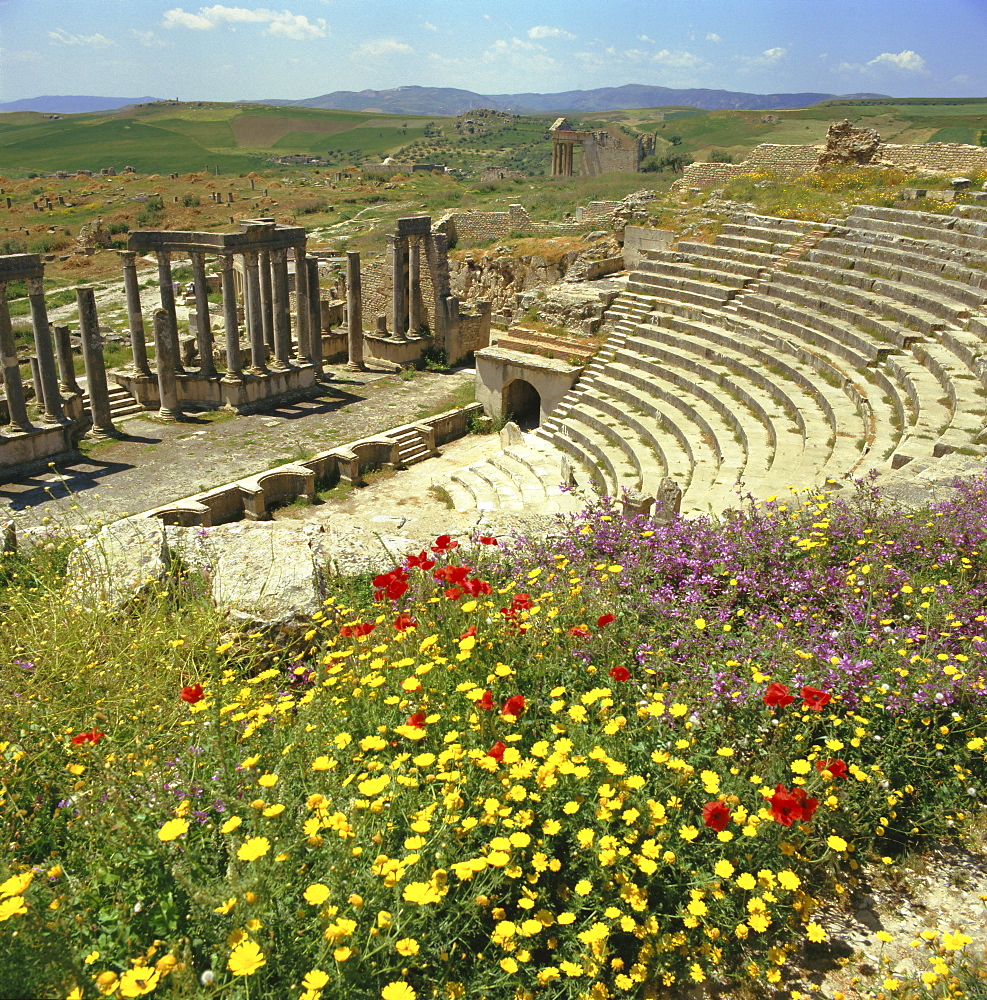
[522, 404]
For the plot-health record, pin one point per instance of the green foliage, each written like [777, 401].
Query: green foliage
[190, 200]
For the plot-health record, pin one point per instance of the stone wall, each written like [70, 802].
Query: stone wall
[934, 157]
[376, 280]
[639, 239]
[604, 153]
[942, 157]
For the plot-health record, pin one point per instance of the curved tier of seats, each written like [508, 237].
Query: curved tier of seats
[787, 354]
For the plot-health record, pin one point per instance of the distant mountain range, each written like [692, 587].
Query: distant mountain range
[73, 105]
[448, 101]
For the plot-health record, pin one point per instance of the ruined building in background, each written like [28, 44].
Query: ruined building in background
[603, 151]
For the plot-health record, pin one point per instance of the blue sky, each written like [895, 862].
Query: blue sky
[229, 51]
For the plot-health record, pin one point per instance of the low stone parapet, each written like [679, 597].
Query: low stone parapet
[253, 497]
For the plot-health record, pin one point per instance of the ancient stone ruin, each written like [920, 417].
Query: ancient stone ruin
[602, 151]
[845, 144]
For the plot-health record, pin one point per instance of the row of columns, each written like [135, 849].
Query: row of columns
[562, 158]
[53, 366]
[267, 318]
[404, 252]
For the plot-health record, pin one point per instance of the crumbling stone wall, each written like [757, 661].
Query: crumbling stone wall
[940, 157]
[847, 145]
[604, 153]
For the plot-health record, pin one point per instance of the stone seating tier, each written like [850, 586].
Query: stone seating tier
[788, 354]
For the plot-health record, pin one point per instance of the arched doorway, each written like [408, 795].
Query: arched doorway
[522, 404]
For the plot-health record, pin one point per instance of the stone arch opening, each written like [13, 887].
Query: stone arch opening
[522, 404]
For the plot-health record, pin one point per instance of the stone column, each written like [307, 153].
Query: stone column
[167, 289]
[282, 316]
[395, 250]
[555, 159]
[314, 313]
[92, 355]
[203, 331]
[302, 334]
[266, 305]
[164, 360]
[229, 320]
[254, 312]
[11, 370]
[354, 312]
[134, 316]
[46, 355]
[66, 366]
[414, 288]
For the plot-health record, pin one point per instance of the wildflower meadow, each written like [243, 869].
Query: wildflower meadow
[622, 760]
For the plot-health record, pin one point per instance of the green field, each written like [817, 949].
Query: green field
[174, 137]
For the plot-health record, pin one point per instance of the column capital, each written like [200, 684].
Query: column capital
[35, 286]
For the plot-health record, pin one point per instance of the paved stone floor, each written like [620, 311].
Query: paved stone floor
[156, 463]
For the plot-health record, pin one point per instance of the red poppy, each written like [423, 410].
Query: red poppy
[453, 593]
[476, 587]
[391, 585]
[513, 706]
[417, 720]
[837, 768]
[788, 807]
[486, 701]
[815, 700]
[497, 751]
[777, 695]
[579, 632]
[716, 815]
[358, 630]
[469, 633]
[444, 543]
[192, 694]
[488, 540]
[519, 602]
[605, 620]
[620, 673]
[404, 621]
[421, 561]
[451, 573]
[93, 737]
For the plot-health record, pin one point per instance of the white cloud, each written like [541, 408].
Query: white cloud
[677, 59]
[644, 38]
[769, 57]
[712, 36]
[909, 61]
[24, 56]
[279, 23]
[148, 39]
[545, 31]
[429, 26]
[97, 41]
[524, 55]
[377, 48]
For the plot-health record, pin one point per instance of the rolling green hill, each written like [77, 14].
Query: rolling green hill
[167, 136]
